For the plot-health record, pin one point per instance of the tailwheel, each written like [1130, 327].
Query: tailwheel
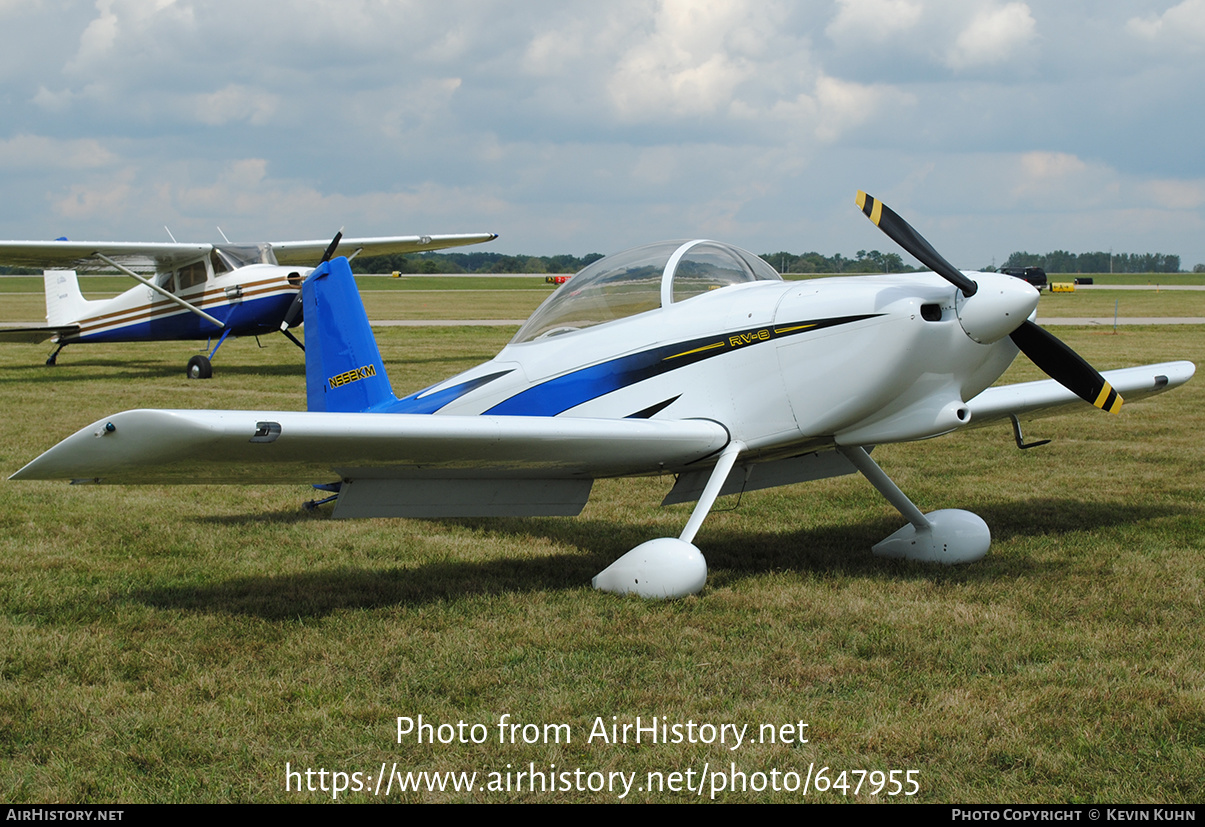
[199, 367]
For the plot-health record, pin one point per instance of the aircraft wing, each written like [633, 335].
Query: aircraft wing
[1048, 397]
[80, 255]
[152, 256]
[166, 446]
[308, 253]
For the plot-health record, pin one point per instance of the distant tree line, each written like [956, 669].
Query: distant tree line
[872, 261]
[866, 262]
[481, 262]
[1061, 261]
[475, 262]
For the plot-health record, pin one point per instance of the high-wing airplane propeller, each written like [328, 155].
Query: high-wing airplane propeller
[1056, 360]
[295, 308]
[187, 291]
[687, 359]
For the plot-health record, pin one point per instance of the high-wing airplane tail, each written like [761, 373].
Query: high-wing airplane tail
[65, 304]
[343, 367]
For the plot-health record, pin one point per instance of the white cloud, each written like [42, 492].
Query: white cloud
[571, 126]
[844, 105]
[1184, 23]
[33, 152]
[1173, 194]
[137, 24]
[98, 201]
[690, 64]
[234, 103]
[995, 35]
[874, 20]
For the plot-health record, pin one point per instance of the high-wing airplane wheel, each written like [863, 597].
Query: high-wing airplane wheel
[199, 368]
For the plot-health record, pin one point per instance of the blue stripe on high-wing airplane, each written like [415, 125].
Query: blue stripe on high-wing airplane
[572, 389]
[248, 317]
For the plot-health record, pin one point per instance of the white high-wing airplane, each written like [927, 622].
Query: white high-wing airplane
[687, 358]
[194, 291]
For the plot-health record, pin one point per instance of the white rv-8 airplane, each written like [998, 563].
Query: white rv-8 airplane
[194, 291]
[687, 358]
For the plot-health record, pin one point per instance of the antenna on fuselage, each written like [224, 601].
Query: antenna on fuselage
[169, 234]
[223, 235]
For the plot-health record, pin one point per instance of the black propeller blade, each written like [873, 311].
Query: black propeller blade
[1066, 367]
[899, 231]
[1058, 361]
[295, 307]
[334, 245]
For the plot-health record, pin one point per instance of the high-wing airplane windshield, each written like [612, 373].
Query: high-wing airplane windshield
[637, 280]
[229, 257]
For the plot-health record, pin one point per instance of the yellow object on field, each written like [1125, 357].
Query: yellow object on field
[1062, 287]
[396, 275]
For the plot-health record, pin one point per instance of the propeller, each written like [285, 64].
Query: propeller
[295, 307]
[990, 318]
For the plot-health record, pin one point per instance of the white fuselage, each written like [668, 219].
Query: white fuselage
[249, 300]
[787, 364]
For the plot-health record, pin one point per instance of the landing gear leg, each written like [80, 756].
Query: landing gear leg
[53, 359]
[669, 567]
[946, 536]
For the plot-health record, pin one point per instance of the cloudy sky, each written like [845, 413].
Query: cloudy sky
[576, 127]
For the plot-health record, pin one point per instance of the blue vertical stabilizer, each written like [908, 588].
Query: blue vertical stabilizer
[343, 367]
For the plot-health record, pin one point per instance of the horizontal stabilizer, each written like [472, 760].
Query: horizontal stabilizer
[159, 446]
[33, 335]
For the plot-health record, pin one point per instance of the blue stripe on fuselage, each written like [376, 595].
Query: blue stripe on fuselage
[424, 402]
[572, 389]
[249, 317]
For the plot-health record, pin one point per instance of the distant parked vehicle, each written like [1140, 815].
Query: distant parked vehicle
[1034, 275]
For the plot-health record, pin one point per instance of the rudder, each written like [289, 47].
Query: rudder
[343, 367]
[65, 304]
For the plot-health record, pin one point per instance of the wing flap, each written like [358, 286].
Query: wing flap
[462, 498]
[1047, 397]
[163, 446]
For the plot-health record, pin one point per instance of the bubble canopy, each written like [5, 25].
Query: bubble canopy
[642, 279]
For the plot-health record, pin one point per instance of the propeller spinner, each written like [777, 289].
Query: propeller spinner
[1005, 313]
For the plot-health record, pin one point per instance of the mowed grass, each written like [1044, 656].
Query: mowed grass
[466, 297]
[168, 644]
[418, 297]
[1103, 303]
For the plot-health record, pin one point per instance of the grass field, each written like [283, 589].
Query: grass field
[171, 644]
[434, 297]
